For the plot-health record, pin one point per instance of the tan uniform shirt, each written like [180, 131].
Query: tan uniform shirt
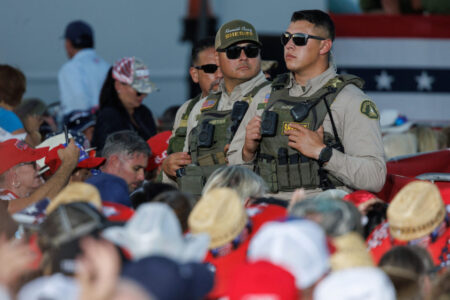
[362, 166]
[226, 102]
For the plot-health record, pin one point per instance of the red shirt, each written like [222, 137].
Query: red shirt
[226, 265]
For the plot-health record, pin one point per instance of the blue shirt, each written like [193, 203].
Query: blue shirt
[9, 121]
[111, 188]
[80, 81]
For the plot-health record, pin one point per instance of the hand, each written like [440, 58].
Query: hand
[297, 196]
[175, 161]
[70, 154]
[226, 148]
[32, 123]
[252, 138]
[97, 270]
[306, 141]
[16, 258]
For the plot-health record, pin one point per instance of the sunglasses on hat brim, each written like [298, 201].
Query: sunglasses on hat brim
[234, 52]
[299, 39]
[208, 68]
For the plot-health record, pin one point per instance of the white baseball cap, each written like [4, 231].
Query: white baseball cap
[155, 230]
[368, 283]
[57, 286]
[299, 246]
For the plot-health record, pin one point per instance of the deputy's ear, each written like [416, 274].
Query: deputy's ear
[194, 74]
[325, 46]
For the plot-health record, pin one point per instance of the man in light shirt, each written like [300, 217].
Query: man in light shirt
[81, 78]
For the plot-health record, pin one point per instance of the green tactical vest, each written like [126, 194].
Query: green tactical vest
[207, 160]
[176, 143]
[287, 169]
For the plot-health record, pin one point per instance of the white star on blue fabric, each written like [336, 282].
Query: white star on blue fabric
[424, 81]
[384, 81]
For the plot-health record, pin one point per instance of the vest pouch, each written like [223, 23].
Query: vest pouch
[305, 171]
[181, 132]
[315, 179]
[268, 172]
[282, 168]
[193, 180]
[177, 141]
[294, 172]
[283, 176]
[212, 159]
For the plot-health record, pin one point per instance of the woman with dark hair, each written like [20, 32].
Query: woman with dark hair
[12, 88]
[126, 85]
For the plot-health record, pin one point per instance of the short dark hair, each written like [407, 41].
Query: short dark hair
[12, 85]
[200, 46]
[165, 122]
[181, 204]
[148, 191]
[318, 18]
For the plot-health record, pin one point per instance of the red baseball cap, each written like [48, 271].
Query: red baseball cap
[85, 161]
[359, 197]
[158, 144]
[15, 151]
[262, 280]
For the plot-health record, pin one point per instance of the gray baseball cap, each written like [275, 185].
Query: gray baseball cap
[234, 32]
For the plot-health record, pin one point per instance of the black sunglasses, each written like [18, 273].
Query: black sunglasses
[209, 68]
[299, 39]
[233, 52]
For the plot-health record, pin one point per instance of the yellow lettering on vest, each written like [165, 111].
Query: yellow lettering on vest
[287, 126]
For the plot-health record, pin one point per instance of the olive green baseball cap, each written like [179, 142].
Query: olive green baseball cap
[234, 32]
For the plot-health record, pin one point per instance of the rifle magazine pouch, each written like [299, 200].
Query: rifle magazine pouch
[294, 172]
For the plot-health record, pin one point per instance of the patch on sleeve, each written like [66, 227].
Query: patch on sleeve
[263, 104]
[369, 109]
[208, 104]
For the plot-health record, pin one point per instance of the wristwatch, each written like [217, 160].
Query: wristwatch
[325, 155]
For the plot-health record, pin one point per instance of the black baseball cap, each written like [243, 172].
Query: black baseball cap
[80, 34]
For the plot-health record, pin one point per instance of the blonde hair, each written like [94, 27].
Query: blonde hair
[426, 138]
[398, 144]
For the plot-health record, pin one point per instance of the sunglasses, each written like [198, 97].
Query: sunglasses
[31, 163]
[299, 39]
[209, 68]
[234, 52]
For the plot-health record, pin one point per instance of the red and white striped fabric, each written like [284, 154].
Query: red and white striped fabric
[403, 60]
[123, 70]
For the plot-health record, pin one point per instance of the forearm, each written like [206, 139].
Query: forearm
[169, 179]
[33, 138]
[358, 172]
[247, 156]
[48, 190]
[234, 154]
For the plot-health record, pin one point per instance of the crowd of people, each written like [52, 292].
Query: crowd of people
[254, 189]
